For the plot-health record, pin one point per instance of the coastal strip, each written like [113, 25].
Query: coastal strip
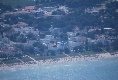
[58, 60]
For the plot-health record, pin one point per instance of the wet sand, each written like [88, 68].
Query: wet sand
[58, 60]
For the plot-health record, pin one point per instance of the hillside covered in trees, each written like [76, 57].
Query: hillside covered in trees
[106, 17]
[27, 25]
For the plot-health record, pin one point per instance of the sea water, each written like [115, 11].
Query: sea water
[97, 69]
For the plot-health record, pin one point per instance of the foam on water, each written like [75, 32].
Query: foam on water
[99, 69]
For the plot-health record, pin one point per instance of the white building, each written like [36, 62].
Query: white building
[71, 34]
[49, 37]
[26, 30]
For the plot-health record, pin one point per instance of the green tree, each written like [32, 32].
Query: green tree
[115, 44]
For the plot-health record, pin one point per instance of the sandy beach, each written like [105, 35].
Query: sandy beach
[58, 60]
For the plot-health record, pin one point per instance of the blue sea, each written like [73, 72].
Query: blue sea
[98, 69]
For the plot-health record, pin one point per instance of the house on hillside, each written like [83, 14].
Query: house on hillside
[29, 8]
[93, 10]
[52, 46]
[50, 37]
[57, 46]
[71, 34]
[26, 30]
[47, 39]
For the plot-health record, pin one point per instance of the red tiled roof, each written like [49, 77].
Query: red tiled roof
[20, 24]
[19, 12]
[9, 51]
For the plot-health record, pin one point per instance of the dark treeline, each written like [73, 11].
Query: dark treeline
[74, 3]
[105, 18]
[5, 7]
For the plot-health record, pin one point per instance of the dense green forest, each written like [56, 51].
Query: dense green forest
[77, 16]
[71, 3]
[107, 17]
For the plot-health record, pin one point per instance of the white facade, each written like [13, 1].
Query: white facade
[71, 34]
[49, 37]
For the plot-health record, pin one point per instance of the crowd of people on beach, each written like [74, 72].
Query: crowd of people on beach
[57, 60]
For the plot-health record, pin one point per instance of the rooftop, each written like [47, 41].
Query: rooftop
[29, 7]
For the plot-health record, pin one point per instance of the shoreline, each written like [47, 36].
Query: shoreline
[57, 60]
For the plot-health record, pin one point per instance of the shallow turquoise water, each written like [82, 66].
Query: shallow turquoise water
[102, 69]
